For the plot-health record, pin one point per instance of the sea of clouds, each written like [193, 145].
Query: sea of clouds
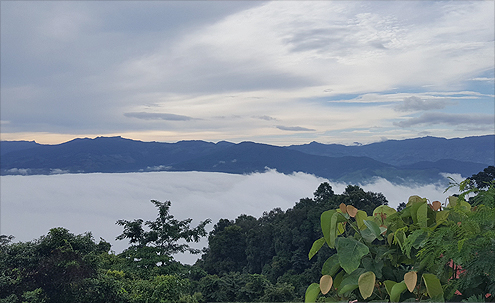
[31, 205]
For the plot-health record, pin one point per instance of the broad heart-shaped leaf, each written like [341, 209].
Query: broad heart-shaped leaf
[338, 279]
[352, 211]
[350, 252]
[312, 292]
[382, 212]
[411, 278]
[433, 287]
[436, 205]
[366, 284]
[325, 220]
[373, 227]
[352, 278]
[415, 199]
[347, 288]
[331, 265]
[325, 284]
[396, 291]
[343, 208]
[388, 285]
[350, 282]
[367, 235]
[452, 201]
[360, 217]
[337, 217]
[422, 215]
[316, 247]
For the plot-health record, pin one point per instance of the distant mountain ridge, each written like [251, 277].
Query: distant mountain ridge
[480, 149]
[412, 160]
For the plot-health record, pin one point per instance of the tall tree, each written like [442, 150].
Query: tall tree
[155, 245]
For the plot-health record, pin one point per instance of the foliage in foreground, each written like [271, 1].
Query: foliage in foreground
[425, 252]
[265, 259]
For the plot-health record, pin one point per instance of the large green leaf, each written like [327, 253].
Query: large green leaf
[312, 292]
[348, 288]
[373, 227]
[331, 265]
[367, 235]
[396, 291]
[352, 278]
[414, 210]
[433, 287]
[366, 284]
[350, 252]
[422, 215]
[316, 247]
[338, 279]
[382, 212]
[337, 217]
[388, 286]
[325, 220]
[360, 217]
[415, 199]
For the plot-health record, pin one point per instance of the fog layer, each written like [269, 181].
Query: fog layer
[31, 205]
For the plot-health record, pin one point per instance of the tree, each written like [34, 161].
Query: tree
[156, 245]
[53, 268]
[323, 193]
[483, 179]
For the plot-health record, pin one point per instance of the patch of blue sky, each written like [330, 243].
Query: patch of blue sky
[483, 105]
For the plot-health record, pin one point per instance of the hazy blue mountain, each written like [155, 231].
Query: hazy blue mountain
[106, 154]
[479, 149]
[413, 160]
[11, 146]
[249, 157]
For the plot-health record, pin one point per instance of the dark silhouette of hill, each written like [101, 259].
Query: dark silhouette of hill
[247, 157]
[106, 154]
[11, 146]
[480, 149]
[413, 160]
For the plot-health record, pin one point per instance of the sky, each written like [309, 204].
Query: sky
[94, 202]
[281, 73]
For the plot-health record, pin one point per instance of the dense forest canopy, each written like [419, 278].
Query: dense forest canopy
[248, 259]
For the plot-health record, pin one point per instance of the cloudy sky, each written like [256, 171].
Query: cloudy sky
[284, 72]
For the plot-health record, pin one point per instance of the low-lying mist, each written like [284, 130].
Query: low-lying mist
[31, 205]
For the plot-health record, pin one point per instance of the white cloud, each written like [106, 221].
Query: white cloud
[157, 116]
[31, 205]
[295, 128]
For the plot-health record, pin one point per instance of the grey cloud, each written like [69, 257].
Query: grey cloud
[449, 119]
[295, 128]
[415, 103]
[320, 38]
[267, 118]
[157, 116]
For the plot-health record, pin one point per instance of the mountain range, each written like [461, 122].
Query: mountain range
[419, 160]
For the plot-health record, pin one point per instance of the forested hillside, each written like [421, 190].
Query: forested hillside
[273, 258]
